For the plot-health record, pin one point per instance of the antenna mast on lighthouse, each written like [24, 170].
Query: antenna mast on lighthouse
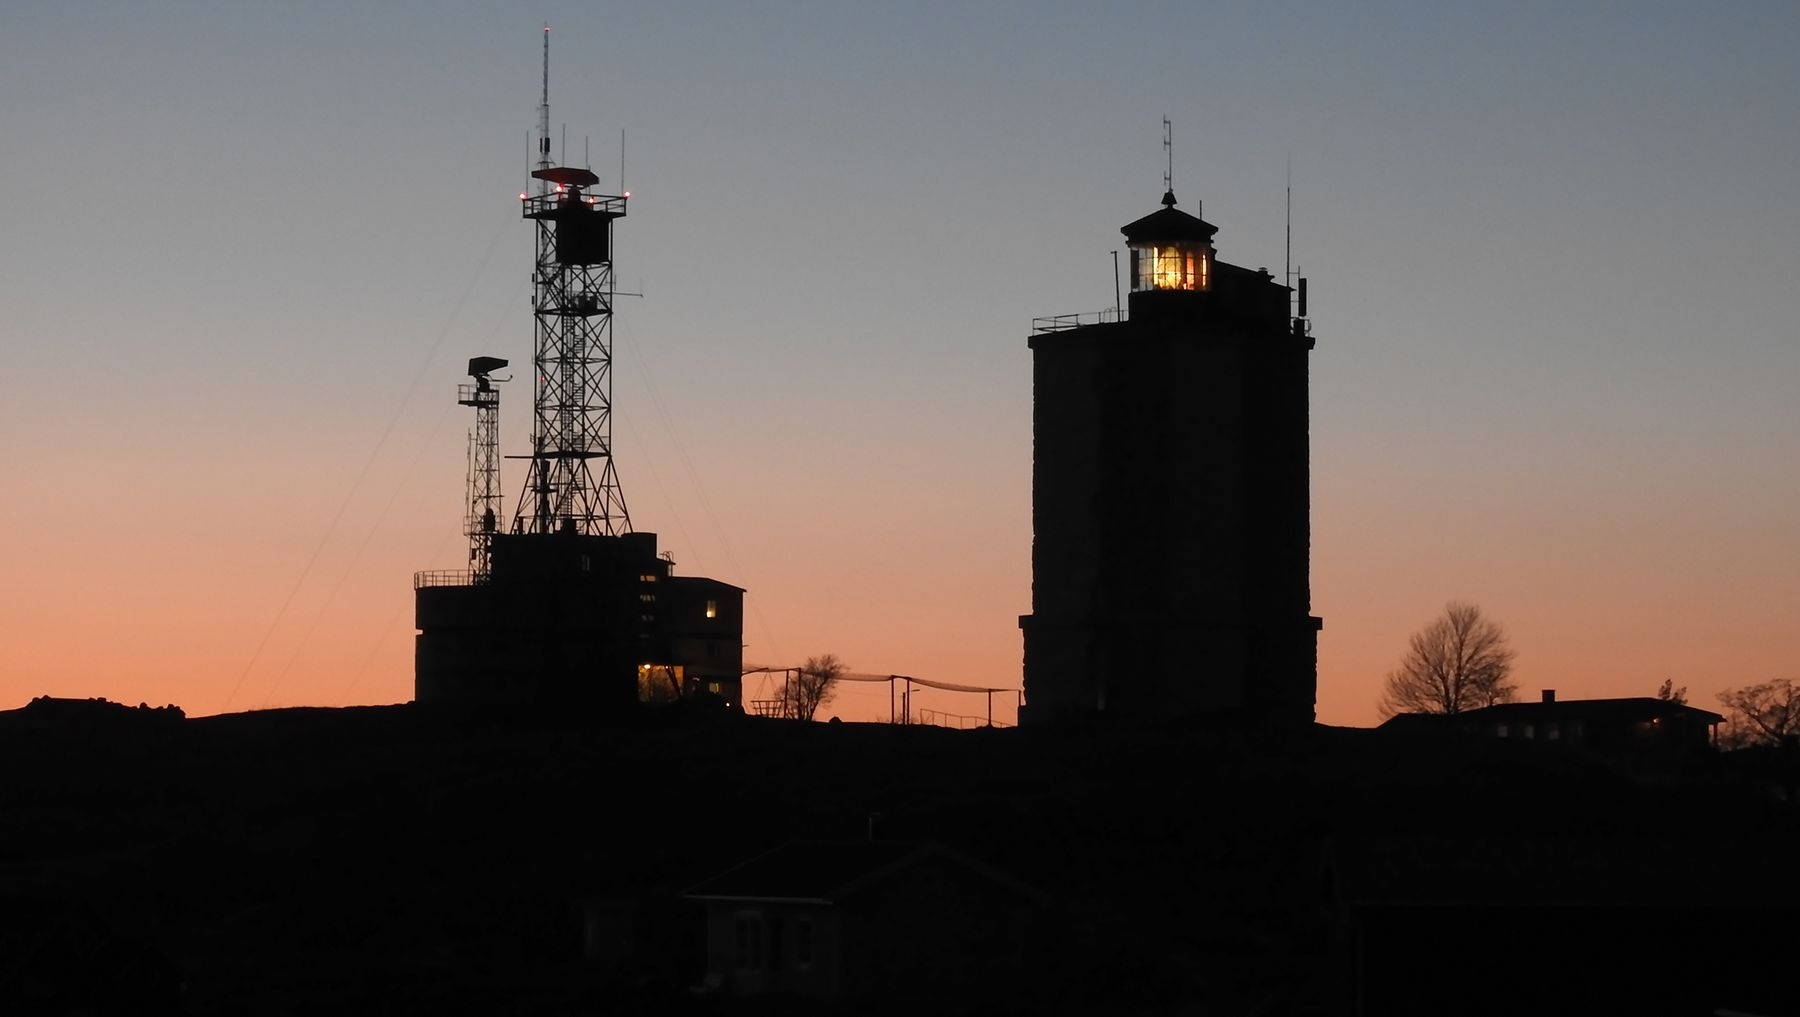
[573, 486]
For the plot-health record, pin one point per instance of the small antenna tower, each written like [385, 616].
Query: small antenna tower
[481, 520]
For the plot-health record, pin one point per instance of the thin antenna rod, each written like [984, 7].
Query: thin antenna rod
[1118, 308]
[1169, 152]
[1287, 258]
[543, 161]
[621, 160]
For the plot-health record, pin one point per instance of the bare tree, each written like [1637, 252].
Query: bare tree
[811, 685]
[658, 683]
[1458, 662]
[1668, 693]
[1761, 714]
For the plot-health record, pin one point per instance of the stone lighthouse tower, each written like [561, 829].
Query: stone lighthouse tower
[1170, 517]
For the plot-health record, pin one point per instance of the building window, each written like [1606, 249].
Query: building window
[712, 648]
[712, 609]
[1530, 731]
[648, 577]
[749, 941]
[1169, 267]
[1499, 730]
[803, 942]
[1553, 731]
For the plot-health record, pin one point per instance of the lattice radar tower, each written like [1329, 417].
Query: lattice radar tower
[572, 485]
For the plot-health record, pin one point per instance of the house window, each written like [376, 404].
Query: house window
[749, 941]
[803, 942]
[712, 609]
[1553, 731]
[1530, 731]
[1499, 730]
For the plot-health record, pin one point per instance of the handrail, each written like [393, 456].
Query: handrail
[1064, 322]
[442, 577]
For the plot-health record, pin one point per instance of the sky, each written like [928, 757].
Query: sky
[248, 249]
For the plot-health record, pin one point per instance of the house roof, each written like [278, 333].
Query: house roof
[1634, 708]
[828, 872]
[1628, 709]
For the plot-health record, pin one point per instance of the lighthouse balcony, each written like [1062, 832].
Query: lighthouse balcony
[1065, 322]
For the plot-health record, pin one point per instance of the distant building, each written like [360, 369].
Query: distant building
[867, 920]
[572, 607]
[1171, 533]
[1645, 732]
[569, 618]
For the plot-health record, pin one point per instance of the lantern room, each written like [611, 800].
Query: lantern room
[1170, 250]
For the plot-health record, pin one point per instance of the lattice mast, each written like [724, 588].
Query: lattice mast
[481, 516]
[573, 485]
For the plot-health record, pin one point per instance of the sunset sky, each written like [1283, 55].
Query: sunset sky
[249, 248]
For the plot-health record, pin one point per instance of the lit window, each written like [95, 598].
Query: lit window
[648, 577]
[712, 609]
[1169, 267]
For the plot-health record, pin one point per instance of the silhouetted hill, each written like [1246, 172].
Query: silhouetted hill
[405, 860]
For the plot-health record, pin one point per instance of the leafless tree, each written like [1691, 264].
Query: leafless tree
[1761, 714]
[810, 686]
[1668, 693]
[1458, 662]
[658, 683]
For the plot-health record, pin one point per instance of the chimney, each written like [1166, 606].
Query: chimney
[1549, 695]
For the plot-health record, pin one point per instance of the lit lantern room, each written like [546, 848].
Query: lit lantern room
[1170, 250]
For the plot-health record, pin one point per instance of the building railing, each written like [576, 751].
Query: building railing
[1064, 322]
[960, 721]
[457, 577]
[542, 206]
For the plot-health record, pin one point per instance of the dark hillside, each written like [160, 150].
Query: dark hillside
[399, 860]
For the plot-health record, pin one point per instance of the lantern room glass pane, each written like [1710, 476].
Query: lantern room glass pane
[1169, 267]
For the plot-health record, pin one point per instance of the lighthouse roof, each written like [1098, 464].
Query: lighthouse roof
[1168, 225]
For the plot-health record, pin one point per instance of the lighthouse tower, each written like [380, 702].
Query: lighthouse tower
[1170, 546]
